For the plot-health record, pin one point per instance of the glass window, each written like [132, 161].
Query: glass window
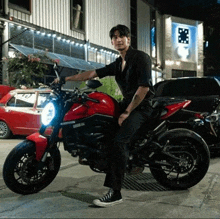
[77, 14]
[20, 5]
[133, 12]
[99, 56]
[153, 33]
[108, 59]
[11, 102]
[159, 77]
[2, 8]
[91, 55]
[103, 58]
[182, 73]
[153, 77]
[22, 100]
[42, 100]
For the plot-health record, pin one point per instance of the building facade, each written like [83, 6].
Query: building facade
[77, 33]
[183, 47]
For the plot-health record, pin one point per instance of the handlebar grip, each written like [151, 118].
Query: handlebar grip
[62, 80]
[93, 100]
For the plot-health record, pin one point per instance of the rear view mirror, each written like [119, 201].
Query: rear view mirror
[93, 84]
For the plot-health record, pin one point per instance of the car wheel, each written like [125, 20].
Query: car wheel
[5, 132]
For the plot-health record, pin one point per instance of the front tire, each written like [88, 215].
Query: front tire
[22, 172]
[193, 164]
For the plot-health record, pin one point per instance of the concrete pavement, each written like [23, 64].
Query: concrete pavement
[70, 195]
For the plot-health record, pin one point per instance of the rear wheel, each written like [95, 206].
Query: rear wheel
[189, 167]
[5, 132]
[23, 174]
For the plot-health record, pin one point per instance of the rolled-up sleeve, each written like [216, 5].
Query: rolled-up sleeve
[108, 70]
[144, 70]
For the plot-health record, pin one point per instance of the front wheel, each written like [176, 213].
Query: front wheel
[191, 163]
[23, 174]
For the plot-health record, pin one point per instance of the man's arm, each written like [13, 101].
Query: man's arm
[137, 99]
[80, 77]
[83, 76]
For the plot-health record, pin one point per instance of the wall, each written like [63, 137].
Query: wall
[49, 14]
[193, 61]
[55, 15]
[143, 23]
[159, 39]
[102, 16]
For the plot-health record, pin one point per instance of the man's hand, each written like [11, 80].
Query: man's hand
[61, 80]
[122, 117]
[56, 81]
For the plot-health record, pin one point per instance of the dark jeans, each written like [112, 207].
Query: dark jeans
[119, 151]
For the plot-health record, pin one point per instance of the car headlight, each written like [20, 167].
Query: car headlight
[48, 114]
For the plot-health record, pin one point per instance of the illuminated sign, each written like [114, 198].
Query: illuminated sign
[153, 41]
[184, 42]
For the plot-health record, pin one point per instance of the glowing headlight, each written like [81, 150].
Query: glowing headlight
[48, 114]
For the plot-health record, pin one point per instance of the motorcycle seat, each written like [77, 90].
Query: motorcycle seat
[159, 102]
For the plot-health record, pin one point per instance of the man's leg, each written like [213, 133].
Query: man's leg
[118, 158]
[119, 152]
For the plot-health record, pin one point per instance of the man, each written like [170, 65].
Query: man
[132, 71]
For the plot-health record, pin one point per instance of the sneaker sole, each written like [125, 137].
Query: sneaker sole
[103, 204]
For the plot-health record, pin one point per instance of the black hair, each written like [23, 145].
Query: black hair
[122, 29]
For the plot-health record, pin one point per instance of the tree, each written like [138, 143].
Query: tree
[28, 71]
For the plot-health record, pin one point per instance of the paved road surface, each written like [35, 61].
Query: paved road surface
[70, 195]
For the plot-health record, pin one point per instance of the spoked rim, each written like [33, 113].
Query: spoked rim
[3, 129]
[27, 172]
[185, 171]
[185, 166]
[23, 174]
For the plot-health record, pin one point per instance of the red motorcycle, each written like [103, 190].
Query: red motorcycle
[88, 121]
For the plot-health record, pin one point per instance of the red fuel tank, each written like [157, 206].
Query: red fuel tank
[106, 106]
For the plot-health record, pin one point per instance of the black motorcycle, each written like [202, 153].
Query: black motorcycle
[205, 124]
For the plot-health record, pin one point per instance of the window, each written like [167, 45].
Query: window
[153, 33]
[20, 5]
[182, 73]
[77, 14]
[156, 77]
[2, 9]
[22, 100]
[133, 12]
[42, 100]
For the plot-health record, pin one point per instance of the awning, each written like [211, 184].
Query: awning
[96, 65]
[65, 61]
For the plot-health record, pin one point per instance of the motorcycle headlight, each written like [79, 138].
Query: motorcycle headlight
[48, 114]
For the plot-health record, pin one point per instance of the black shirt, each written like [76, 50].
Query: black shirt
[137, 72]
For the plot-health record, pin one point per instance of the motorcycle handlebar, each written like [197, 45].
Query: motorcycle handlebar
[76, 92]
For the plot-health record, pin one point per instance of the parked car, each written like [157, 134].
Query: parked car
[4, 89]
[20, 111]
[203, 113]
[204, 92]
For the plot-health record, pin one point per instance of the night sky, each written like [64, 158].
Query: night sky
[202, 3]
[192, 9]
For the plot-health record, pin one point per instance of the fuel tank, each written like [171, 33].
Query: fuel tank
[106, 106]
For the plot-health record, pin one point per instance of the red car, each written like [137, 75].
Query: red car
[20, 111]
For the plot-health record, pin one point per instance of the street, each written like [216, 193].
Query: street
[70, 195]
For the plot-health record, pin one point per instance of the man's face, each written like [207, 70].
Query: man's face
[120, 43]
